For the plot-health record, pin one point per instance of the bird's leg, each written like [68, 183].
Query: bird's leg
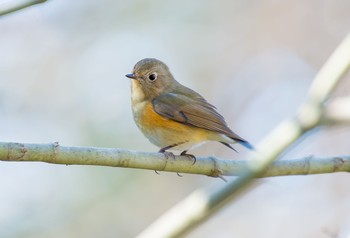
[168, 154]
[190, 156]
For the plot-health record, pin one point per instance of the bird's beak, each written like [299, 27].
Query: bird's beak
[131, 76]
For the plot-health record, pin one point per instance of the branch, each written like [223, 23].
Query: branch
[12, 6]
[337, 112]
[196, 208]
[56, 154]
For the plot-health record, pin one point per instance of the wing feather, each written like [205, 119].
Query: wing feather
[192, 111]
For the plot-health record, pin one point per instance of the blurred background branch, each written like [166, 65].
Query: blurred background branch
[210, 166]
[337, 112]
[204, 204]
[8, 7]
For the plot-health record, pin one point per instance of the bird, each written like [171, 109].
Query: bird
[173, 116]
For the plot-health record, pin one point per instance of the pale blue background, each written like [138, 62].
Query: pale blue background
[62, 70]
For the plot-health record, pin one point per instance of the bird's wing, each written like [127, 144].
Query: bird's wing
[192, 111]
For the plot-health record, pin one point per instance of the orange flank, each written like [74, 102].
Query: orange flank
[164, 132]
[152, 119]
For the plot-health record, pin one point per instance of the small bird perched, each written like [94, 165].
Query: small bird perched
[173, 116]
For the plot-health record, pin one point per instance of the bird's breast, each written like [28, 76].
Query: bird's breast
[162, 131]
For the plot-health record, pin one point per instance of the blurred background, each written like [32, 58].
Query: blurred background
[62, 70]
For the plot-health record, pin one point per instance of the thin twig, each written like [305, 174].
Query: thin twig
[13, 6]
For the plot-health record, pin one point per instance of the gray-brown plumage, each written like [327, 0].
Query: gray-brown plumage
[153, 83]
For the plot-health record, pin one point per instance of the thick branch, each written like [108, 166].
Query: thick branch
[13, 6]
[56, 154]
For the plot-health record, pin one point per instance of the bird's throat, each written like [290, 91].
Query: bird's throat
[137, 93]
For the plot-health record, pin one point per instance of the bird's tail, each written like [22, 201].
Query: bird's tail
[246, 144]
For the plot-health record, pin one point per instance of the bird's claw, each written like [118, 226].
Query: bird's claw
[190, 156]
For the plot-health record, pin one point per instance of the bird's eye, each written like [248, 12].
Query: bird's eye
[152, 77]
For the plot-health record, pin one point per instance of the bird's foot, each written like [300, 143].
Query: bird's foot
[167, 156]
[190, 156]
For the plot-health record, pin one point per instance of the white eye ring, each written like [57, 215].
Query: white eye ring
[152, 76]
